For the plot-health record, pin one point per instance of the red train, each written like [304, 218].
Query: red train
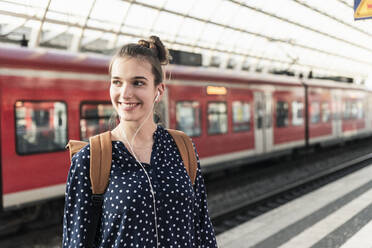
[49, 97]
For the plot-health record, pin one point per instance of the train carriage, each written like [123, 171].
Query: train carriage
[39, 101]
[337, 111]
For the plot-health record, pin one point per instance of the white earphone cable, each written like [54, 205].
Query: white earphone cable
[148, 178]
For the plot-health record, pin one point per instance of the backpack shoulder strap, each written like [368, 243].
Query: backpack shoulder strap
[100, 165]
[184, 145]
[100, 161]
[74, 146]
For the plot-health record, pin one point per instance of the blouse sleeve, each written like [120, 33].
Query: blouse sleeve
[77, 201]
[204, 232]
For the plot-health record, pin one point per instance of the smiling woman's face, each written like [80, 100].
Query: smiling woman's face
[132, 88]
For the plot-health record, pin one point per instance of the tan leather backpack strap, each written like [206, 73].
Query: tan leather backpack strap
[100, 161]
[177, 136]
[192, 158]
[187, 151]
[74, 146]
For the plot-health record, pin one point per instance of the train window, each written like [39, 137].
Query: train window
[347, 110]
[188, 117]
[315, 112]
[217, 117]
[259, 114]
[94, 118]
[241, 116]
[360, 110]
[41, 126]
[353, 110]
[281, 114]
[326, 113]
[297, 113]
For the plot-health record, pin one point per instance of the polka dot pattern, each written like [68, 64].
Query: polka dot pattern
[128, 216]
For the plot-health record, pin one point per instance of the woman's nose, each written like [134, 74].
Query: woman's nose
[126, 91]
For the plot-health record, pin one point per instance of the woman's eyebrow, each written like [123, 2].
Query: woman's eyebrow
[140, 77]
[133, 78]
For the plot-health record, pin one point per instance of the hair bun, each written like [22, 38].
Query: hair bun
[144, 43]
[161, 52]
[149, 44]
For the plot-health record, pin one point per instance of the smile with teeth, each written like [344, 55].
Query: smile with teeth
[128, 106]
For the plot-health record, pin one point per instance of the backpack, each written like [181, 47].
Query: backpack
[100, 166]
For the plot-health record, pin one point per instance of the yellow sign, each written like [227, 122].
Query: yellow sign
[363, 9]
[214, 90]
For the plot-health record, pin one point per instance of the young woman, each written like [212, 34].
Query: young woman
[150, 200]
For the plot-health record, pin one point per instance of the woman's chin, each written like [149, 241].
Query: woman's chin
[129, 118]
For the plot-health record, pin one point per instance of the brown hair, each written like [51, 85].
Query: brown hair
[151, 50]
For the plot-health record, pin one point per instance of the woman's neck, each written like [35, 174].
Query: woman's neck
[126, 130]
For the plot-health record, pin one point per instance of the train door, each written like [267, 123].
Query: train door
[268, 127]
[368, 111]
[337, 113]
[259, 114]
[60, 122]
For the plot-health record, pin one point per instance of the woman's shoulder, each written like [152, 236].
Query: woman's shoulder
[168, 135]
[80, 166]
[82, 156]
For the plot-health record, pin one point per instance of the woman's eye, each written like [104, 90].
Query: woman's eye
[138, 83]
[116, 82]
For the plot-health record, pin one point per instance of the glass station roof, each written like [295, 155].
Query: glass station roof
[298, 35]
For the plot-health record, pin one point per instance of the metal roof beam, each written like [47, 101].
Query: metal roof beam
[310, 66]
[183, 19]
[52, 35]
[157, 15]
[258, 35]
[300, 25]
[332, 17]
[10, 28]
[77, 38]
[87, 40]
[225, 51]
[345, 3]
[194, 18]
[113, 43]
[205, 22]
[36, 31]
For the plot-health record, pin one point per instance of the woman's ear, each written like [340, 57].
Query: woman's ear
[161, 88]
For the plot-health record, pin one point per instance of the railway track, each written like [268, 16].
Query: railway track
[32, 227]
[42, 237]
[249, 208]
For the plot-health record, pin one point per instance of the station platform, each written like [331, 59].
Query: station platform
[336, 215]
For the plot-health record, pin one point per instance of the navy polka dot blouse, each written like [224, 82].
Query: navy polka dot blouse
[127, 215]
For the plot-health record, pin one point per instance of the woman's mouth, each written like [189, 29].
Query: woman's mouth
[128, 106]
